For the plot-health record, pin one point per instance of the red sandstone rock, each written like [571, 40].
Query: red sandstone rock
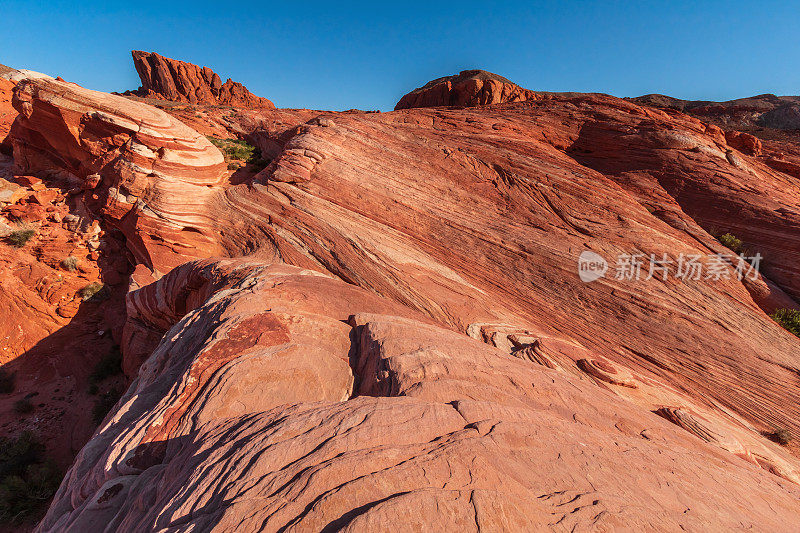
[170, 79]
[468, 88]
[7, 113]
[472, 219]
[267, 408]
[155, 170]
[744, 142]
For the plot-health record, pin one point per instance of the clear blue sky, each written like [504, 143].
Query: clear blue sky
[341, 55]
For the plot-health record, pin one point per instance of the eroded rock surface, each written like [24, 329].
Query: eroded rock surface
[139, 167]
[464, 223]
[178, 81]
[291, 401]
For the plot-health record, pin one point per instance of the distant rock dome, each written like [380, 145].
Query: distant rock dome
[465, 89]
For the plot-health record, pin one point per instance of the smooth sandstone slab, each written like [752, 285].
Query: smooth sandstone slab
[412, 425]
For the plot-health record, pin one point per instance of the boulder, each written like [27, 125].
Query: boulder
[744, 142]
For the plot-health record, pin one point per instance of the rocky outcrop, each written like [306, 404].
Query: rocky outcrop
[468, 88]
[283, 399]
[138, 167]
[7, 112]
[764, 111]
[53, 335]
[463, 223]
[178, 81]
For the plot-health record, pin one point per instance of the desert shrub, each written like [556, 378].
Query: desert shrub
[7, 381]
[69, 263]
[16, 454]
[233, 166]
[95, 291]
[20, 236]
[789, 319]
[109, 365]
[781, 436]
[27, 480]
[103, 405]
[236, 149]
[23, 406]
[731, 242]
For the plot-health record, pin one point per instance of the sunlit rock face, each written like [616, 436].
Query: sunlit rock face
[468, 88]
[390, 316]
[169, 79]
[144, 171]
[281, 398]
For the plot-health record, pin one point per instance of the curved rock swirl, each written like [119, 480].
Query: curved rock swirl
[288, 400]
[157, 177]
[463, 216]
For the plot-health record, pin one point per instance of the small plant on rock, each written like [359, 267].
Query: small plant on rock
[23, 406]
[789, 319]
[69, 263]
[238, 150]
[109, 365]
[27, 479]
[95, 291]
[20, 236]
[7, 380]
[781, 436]
[104, 404]
[730, 241]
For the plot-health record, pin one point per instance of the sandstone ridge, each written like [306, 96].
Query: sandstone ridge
[389, 316]
[178, 81]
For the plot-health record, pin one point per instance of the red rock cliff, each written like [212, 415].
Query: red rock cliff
[170, 79]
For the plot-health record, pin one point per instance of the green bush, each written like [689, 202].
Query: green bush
[781, 436]
[7, 381]
[23, 406]
[238, 150]
[16, 454]
[109, 365]
[27, 480]
[26, 496]
[789, 319]
[95, 291]
[731, 242]
[19, 237]
[70, 263]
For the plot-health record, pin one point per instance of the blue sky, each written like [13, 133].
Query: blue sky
[342, 55]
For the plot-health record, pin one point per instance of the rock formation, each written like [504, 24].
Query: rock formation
[393, 414]
[137, 165]
[399, 322]
[765, 111]
[7, 112]
[468, 88]
[178, 81]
